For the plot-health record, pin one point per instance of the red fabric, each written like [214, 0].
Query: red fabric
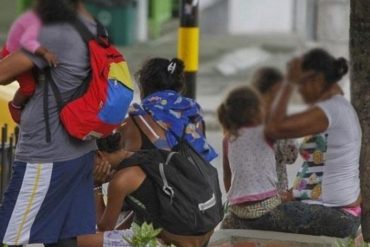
[4, 52]
[27, 83]
[81, 116]
[15, 113]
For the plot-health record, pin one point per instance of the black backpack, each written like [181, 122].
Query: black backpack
[187, 188]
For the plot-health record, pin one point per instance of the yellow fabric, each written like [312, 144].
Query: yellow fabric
[188, 48]
[120, 72]
[6, 95]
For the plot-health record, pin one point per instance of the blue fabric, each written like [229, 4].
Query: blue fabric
[68, 209]
[173, 113]
[10, 197]
[117, 103]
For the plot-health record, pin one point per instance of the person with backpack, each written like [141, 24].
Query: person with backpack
[162, 160]
[51, 188]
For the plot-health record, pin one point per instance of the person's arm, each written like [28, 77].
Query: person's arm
[124, 183]
[14, 65]
[49, 56]
[286, 151]
[226, 166]
[127, 221]
[309, 122]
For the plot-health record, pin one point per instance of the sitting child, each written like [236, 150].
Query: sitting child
[249, 162]
[23, 34]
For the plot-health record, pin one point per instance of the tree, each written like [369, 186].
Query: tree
[360, 94]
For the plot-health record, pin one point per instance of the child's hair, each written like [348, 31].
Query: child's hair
[161, 74]
[241, 108]
[54, 11]
[109, 144]
[266, 78]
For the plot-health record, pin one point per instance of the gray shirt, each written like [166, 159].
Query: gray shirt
[73, 68]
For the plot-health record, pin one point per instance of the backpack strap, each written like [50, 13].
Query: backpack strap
[84, 32]
[86, 35]
[55, 89]
[102, 36]
[50, 81]
[148, 131]
[46, 111]
[145, 126]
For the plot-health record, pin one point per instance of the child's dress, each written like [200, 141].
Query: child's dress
[23, 34]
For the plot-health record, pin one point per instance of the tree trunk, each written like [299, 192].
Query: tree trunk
[360, 93]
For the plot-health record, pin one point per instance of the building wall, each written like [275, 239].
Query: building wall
[260, 16]
[214, 18]
[333, 25]
[305, 19]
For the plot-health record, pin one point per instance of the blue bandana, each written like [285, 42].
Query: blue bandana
[173, 113]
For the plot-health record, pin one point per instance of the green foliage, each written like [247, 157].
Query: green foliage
[145, 236]
[351, 243]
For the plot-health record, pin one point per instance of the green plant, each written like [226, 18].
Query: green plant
[145, 236]
[350, 243]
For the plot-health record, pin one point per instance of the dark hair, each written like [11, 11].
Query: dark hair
[54, 11]
[265, 78]
[110, 143]
[320, 60]
[240, 108]
[159, 74]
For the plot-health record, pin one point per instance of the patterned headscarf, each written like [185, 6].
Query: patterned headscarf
[173, 113]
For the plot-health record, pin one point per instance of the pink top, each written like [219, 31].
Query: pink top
[24, 33]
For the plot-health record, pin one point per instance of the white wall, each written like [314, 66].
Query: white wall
[333, 26]
[260, 16]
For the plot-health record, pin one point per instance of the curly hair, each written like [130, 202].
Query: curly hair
[161, 74]
[266, 78]
[241, 108]
[109, 144]
[55, 11]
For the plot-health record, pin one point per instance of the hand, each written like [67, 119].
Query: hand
[51, 58]
[287, 196]
[294, 70]
[102, 171]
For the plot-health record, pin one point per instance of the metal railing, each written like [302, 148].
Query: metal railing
[7, 148]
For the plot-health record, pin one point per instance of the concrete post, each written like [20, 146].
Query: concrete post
[142, 20]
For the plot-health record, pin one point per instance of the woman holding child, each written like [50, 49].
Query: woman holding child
[325, 199]
[326, 193]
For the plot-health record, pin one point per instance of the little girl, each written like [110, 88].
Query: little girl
[23, 34]
[268, 82]
[249, 162]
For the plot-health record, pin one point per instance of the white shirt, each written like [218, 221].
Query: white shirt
[341, 182]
